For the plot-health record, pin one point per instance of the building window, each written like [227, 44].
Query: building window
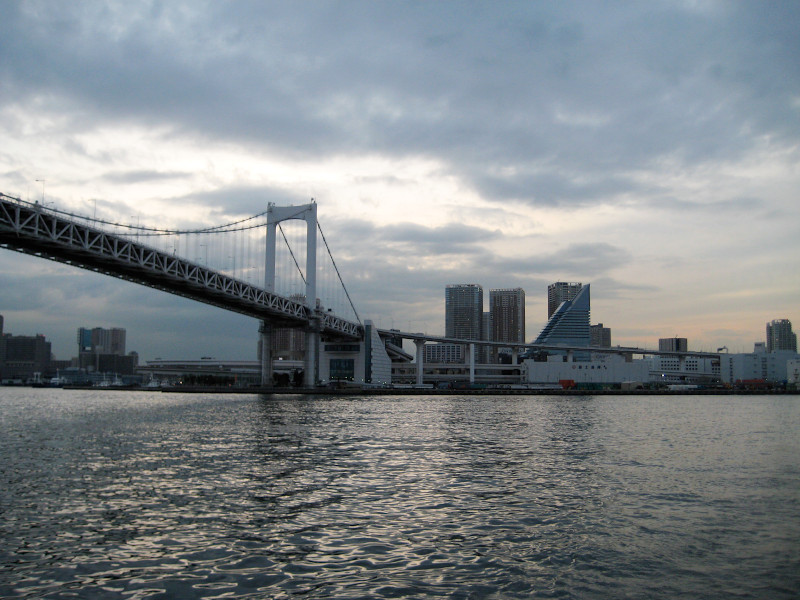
[342, 368]
[342, 348]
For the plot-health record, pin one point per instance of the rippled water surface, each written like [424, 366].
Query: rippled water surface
[147, 495]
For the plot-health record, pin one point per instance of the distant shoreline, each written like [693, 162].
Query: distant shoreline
[475, 392]
[410, 391]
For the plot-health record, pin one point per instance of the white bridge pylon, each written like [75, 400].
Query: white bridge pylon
[276, 215]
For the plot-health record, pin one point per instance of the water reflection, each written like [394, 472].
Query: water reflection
[446, 485]
[146, 496]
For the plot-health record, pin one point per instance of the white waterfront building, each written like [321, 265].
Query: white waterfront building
[363, 362]
[669, 368]
[602, 368]
[767, 366]
[444, 353]
[793, 371]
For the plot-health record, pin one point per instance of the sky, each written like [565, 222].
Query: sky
[650, 149]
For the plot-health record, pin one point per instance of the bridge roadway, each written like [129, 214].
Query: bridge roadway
[470, 366]
[517, 347]
[55, 235]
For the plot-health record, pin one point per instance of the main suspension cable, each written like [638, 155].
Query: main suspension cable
[156, 231]
[339, 275]
[299, 270]
[145, 231]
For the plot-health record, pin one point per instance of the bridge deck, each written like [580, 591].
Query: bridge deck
[32, 229]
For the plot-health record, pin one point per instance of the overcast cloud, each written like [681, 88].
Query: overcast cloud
[650, 149]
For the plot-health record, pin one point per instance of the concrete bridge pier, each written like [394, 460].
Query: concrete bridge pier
[265, 330]
[312, 353]
[420, 344]
[472, 363]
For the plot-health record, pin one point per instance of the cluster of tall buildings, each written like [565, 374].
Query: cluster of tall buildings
[568, 324]
[22, 355]
[568, 313]
[103, 350]
[101, 341]
[24, 358]
[466, 319]
[780, 338]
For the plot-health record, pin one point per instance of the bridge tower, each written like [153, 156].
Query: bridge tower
[275, 215]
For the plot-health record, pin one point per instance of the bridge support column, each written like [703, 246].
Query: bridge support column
[312, 354]
[420, 344]
[472, 363]
[266, 353]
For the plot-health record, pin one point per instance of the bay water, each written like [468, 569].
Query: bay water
[122, 494]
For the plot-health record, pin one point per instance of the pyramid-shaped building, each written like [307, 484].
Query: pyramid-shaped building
[569, 324]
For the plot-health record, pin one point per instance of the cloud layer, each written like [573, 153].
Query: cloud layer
[650, 149]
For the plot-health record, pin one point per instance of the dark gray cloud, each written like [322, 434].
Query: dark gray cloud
[552, 188]
[142, 176]
[17, 179]
[592, 89]
[584, 261]
[738, 205]
[413, 241]
[240, 201]
[411, 244]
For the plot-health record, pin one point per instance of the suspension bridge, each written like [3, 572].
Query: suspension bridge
[251, 266]
[254, 275]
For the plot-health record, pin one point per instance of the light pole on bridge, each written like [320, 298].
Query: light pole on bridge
[42, 182]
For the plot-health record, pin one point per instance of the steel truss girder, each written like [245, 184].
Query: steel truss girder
[30, 229]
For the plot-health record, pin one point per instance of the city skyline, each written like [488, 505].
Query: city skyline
[788, 339]
[516, 145]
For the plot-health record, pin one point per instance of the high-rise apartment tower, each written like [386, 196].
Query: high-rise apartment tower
[463, 311]
[780, 336]
[676, 344]
[600, 336]
[507, 308]
[102, 341]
